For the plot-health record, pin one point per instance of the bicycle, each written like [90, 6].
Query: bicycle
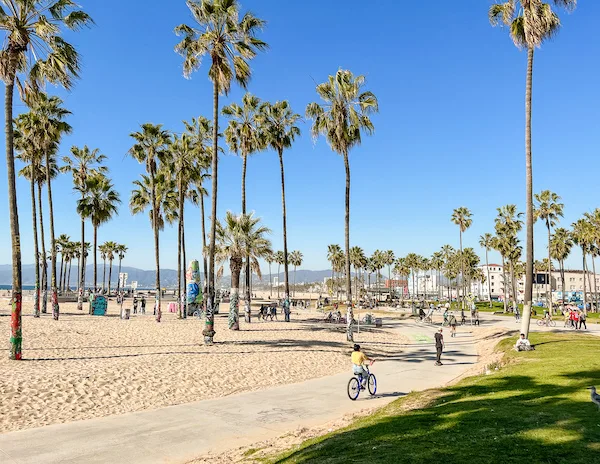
[546, 322]
[355, 385]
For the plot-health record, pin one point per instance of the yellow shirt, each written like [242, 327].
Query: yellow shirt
[358, 358]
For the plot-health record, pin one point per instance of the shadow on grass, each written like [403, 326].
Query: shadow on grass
[529, 412]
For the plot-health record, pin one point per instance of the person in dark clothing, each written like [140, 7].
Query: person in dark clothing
[439, 346]
[143, 305]
[582, 318]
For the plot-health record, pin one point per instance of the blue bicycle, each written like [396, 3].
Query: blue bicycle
[355, 385]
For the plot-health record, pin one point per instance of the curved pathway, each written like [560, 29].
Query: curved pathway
[178, 434]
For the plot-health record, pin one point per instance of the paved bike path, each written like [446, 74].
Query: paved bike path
[177, 434]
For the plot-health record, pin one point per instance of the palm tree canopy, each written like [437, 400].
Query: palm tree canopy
[83, 163]
[241, 237]
[33, 47]
[561, 244]
[296, 258]
[219, 33]
[548, 208]
[486, 240]
[345, 111]
[151, 144]
[243, 134]
[530, 21]
[278, 123]
[166, 198]
[100, 201]
[462, 218]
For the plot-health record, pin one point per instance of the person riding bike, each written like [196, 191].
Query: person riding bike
[358, 360]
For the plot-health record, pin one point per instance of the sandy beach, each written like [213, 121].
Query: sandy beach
[84, 366]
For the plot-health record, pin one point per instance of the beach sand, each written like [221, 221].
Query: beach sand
[84, 366]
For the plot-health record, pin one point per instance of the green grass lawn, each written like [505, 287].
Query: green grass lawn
[535, 409]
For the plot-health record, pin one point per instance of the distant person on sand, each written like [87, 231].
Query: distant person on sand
[135, 303]
[143, 311]
[439, 347]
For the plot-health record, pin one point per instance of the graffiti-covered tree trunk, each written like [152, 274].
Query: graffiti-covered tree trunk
[55, 307]
[36, 252]
[81, 273]
[43, 257]
[234, 303]
[350, 310]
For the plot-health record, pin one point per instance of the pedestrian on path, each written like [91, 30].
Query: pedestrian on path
[439, 346]
[452, 325]
[582, 318]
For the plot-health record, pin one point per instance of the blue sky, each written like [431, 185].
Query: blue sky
[450, 131]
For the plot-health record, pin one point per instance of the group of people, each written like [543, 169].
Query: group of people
[575, 318]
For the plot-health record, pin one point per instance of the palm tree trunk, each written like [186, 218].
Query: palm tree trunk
[562, 276]
[462, 274]
[36, 253]
[43, 260]
[104, 275]
[209, 328]
[487, 265]
[350, 315]
[284, 217]
[529, 200]
[202, 221]
[95, 258]
[504, 284]
[119, 279]
[549, 283]
[294, 281]
[68, 280]
[584, 288]
[595, 298]
[55, 306]
[234, 302]
[110, 261]
[247, 273]
[179, 305]
[156, 247]
[183, 267]
[81, 273]
[587, 271]
[62, 265]
[16, 337]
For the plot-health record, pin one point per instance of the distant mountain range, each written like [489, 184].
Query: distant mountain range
[145, 279]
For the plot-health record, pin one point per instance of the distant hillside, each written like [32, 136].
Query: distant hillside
[168, 277]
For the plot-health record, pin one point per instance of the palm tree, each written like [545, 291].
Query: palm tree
[33, 53]
[389, 258]
[238, 238]
[403, 270]
[530, 25]
[103, 254]
[341, 119]
[200, 130]
[548, 209]
[151, 147]
[231, 43]
[279, 259]
[296, 258]
[28, 153]
[83, 163]
[583, 235]
[62, 242]
[412, 261]
[121, 250]
[594, 219]
[508, 224]
[243, 136]
[447, 254]
[357, 258]
[462, 218]
[486, 241]
[278, 125]
[111, 248]
[437, 264]
[100, 205]
[378, 262]
[560, 248]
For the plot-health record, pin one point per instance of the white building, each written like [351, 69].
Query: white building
[495, 286]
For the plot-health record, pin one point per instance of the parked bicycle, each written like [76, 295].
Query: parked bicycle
[546, 322]
[355, 385]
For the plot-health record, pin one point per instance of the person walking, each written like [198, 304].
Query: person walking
[452, 325]
[143, 304]
[439, 346]
[582, 318]
[135, 303]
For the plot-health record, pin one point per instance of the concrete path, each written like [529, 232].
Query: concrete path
[181, 433]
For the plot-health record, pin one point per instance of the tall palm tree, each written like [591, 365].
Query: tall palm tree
[111, 248]
[200, 129]
[333, 252]
[244, 137]
[357, 258]
[30, 155]
[62, 242]
[278, 125]
[103, 255]
[230, 43]
[437, 264]
[447, 254]
[485, 242]
[462, 218]
[412, 261]
[296, 258]
[560, 249]
[583, 235]
[378, 262]
[82, 164]
[152, 147]
[389, 258]
[33, 53]
[403, 270]
[550, 210]
[342, 117]
[121, 250]
[508, 224]
[594, 219]
[237, 238]
[100, 205]
[530, 25]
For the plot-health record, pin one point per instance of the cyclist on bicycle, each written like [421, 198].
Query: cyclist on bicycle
[358, 360]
